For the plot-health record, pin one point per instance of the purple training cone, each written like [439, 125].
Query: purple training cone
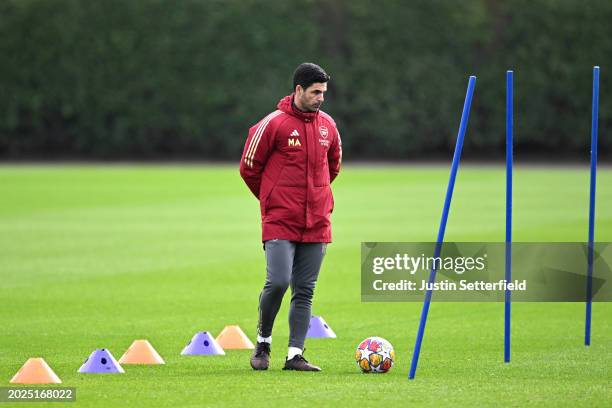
[318, 328]
[101, 361]
[203, 343]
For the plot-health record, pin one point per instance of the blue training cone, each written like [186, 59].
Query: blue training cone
[101, 361]
[318, 328]
[203, 343]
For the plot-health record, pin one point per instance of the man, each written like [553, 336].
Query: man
[290, 158]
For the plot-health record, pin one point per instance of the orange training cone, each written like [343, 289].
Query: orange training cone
[232, 337]
[35, 371]
[141, 352]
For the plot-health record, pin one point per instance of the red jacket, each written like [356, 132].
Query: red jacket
[289, 160]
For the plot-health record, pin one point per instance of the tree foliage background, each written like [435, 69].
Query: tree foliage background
[175, 79]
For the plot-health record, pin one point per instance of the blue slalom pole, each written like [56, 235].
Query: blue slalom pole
[594, 126]
[509, 135]
[447, 201]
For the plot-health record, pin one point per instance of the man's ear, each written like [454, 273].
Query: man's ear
[298, 88]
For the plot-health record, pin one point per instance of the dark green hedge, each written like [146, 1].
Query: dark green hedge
[155, 79]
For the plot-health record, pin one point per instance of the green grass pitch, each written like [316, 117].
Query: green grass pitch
[97, 256]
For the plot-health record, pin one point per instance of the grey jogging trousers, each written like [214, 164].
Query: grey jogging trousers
[296, 264]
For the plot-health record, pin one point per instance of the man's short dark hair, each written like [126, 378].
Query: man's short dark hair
[307, 74]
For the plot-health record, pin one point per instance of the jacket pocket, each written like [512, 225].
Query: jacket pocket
[322, 201]
[267, 192]
[321, 173]
[287, 204]
[264, 199]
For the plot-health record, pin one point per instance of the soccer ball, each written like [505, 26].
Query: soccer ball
[375, 355]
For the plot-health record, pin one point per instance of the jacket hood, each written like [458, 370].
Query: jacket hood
[286, 105]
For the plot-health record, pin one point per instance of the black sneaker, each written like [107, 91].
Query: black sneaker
[260, 360]
[299, 363]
